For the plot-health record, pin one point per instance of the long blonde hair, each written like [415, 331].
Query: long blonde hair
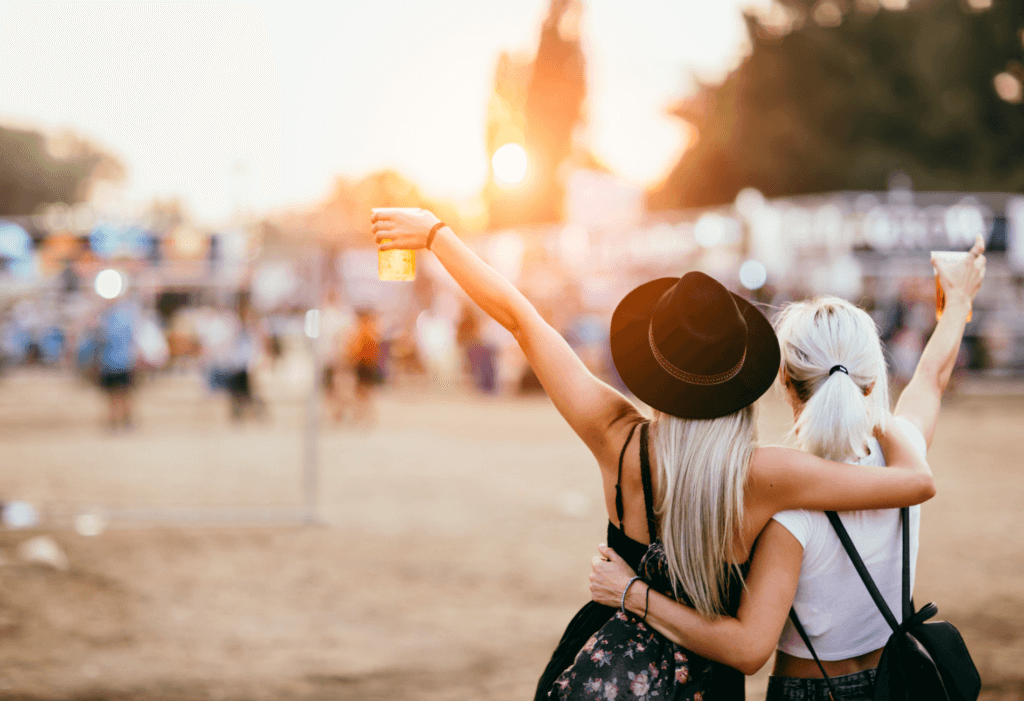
[840, 409]
[703, 465]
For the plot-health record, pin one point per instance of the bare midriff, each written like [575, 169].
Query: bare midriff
[789, 666]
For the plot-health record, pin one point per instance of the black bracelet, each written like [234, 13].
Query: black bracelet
[433, 232]
[647, 602]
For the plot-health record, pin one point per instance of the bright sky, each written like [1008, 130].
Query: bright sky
[266, 103]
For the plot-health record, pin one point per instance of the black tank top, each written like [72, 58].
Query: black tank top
[727, 683]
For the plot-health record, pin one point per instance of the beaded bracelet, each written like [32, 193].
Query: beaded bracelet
[622, 604]
[433, 232]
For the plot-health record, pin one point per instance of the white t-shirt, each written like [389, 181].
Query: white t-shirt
[834, 606]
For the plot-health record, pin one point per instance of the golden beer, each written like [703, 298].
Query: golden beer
[398, 264]
[951, 260]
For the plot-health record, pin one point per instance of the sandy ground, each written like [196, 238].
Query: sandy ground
[454, 545]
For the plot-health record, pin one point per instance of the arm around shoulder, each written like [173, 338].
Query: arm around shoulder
[746, 641]
[784, 478]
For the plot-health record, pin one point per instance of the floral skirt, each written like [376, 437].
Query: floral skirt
[627, 659]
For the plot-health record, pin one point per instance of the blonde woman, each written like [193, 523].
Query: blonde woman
[834, 376]
[700, 356]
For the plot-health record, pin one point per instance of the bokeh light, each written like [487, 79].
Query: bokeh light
[509, 163]
[109, 283]
[1008, 87]
[312, 323]
[753, 275]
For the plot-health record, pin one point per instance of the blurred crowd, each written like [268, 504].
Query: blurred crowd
[353, 350]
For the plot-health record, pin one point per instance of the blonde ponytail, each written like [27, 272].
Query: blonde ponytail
[841, 407]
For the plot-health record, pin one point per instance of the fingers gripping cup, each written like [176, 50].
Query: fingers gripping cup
[397, 264]
[950, 261]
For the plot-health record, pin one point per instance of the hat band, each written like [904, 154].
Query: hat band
[692, 378]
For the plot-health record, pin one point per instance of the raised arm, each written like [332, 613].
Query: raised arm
[922, 397]
[589, 405]
[783, 478]
[744, 642]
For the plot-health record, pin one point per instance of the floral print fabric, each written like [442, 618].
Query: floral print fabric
[627, 659]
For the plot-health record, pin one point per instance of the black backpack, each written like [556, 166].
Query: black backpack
[921, 661]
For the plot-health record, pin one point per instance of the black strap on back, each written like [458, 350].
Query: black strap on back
[908, 602]
[618, 482]
[807, 641]
[645, 475]
[865, 576]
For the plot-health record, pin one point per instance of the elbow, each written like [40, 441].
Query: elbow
[749, 668]
[923, 489]
[753, 655]
[752, 662]
[928, 489]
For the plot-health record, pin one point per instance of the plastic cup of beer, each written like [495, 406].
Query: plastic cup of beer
[397, 264]
[951, 259]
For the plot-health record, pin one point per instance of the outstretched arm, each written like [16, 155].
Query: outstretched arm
[922, 397]
[744, 642]
[589, 405]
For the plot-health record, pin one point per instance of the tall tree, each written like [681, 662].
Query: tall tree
[837, 95]
[554, 102]
[37, 170]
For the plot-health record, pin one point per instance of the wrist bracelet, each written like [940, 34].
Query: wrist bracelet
[647, 602]
[433, 232]
[622, 604]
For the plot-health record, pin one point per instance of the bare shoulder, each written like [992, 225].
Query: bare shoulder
[769, 460]
[774, 470]
[614, 437]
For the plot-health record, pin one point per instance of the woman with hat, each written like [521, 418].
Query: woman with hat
[834, 375]
[693, 484]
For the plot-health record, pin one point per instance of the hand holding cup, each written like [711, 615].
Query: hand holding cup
[958, 276]
[402, 227]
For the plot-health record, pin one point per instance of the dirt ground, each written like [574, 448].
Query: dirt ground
[454, 545]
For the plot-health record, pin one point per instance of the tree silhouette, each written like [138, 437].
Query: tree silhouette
[36, 170]
[538, 104]
[840, 94]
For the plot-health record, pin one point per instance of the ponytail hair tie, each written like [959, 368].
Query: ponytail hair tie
[838, 368]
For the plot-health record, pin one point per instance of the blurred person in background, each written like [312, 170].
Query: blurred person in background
[238, 362]
[834, 375]
[214, 329]
[477, 355]
[117, 354]
[436, 341]
[337, 323]
[365, 362]
[701, 357]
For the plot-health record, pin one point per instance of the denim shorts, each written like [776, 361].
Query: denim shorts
[852, 687]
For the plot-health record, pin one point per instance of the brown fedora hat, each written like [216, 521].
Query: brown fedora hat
[691, 348]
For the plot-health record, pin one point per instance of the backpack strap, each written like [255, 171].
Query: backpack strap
[908, 602]
[807, 641]
[865, 576]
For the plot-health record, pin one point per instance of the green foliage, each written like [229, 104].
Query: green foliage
[36, 170]
[831, 105]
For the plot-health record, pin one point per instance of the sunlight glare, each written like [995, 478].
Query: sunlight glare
[509, 163]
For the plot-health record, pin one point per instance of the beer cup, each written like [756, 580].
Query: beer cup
[397, 264]
[951, 260]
